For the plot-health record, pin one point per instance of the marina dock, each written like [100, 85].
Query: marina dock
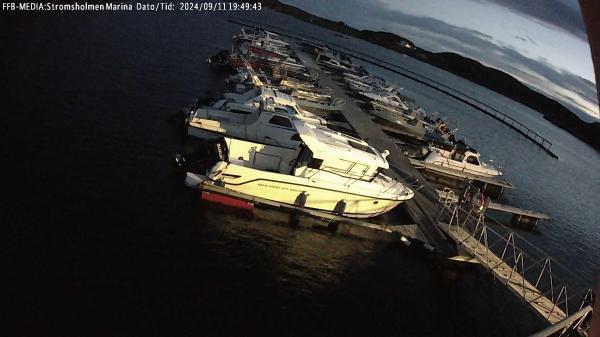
[546, 294]
[459, 179]
[503, 118]
[520, 217]
[344, 225]
[530, 275]
[445, 223]
[424, 204]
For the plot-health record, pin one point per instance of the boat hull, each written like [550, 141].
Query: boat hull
[289, 192]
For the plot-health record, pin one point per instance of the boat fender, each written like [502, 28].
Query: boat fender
[301, 199]
[340, 207]
[417, 244]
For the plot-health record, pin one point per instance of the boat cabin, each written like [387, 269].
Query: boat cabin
[261, 35]
[463, 158]
[320, 152]
[265, 122]
[273, 98]
[339, 154]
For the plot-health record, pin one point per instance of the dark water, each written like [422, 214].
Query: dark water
[101, 237]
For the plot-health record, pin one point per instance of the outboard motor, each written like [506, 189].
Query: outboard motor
[180, 161]
[204, 100]
[202, 155]
[220, 61]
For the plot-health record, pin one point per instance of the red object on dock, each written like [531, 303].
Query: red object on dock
[226, 201]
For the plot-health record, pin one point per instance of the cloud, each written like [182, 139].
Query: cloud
[562, 14]
[576, 92]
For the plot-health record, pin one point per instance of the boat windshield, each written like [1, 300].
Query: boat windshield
[305, 158]
[361, 147]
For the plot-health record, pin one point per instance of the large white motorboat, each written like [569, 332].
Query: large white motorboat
[386, 98]
[255, 96]
[461, 158]
[272, 54]
[366, 82]
[328, 172]
[264, 36]
[335, 61]
[258, 119]
[401, 122]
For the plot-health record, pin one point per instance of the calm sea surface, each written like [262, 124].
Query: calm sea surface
[102, 238]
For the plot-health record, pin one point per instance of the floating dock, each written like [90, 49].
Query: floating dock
[440, 217]
[459, 179]
[503, 118]
[356, 227]
[506, 274]
[528, 275]
[512, 266]
[521, 217]
[424, 204]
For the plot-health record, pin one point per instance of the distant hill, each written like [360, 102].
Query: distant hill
[467, 68]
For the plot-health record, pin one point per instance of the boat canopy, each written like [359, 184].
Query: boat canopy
[327, 145]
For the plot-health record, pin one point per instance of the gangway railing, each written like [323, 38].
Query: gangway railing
[528, 272]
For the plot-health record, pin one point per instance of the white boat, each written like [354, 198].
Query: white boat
[336, 62]
[260, 118]
[328, 172]
[267, 94]
[461, 158]
[366, 82]
[401, 122]
[385, 98]
[305, 103]
[264, 36]
[314, 100]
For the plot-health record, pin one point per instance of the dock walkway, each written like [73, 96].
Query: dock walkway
[516, 211]
[503, 118]
[424, 204]
[408, 232]
[506, 274]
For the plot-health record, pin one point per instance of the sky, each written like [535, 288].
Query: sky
[543, 43]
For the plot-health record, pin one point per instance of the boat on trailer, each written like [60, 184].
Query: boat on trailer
[327, 172]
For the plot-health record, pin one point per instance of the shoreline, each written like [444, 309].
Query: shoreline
[469, 69]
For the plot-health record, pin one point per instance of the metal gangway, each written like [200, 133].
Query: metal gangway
[525, 270]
